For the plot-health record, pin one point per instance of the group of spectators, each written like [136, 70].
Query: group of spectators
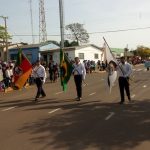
[6, 75]
[7, 71]
[53, 69]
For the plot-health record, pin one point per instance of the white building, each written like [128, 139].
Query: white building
[84, 52]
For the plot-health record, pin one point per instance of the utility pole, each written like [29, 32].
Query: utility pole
[61, 11]
[33, 41]
[6, 56]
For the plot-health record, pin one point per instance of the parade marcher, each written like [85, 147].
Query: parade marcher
[40, 78]
[125, 71]
[79, 73]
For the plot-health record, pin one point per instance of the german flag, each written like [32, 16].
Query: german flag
[65, 70]
[22, 70]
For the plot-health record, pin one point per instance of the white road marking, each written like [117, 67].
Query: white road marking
[59, 92]
[54, 110]
[109, 116]
[102, 79]
[92, 93]
[9, 108]
[133, 96]
[144, 86]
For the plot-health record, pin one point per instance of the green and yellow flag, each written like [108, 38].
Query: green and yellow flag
[65, 70]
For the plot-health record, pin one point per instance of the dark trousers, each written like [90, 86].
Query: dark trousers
[39, 85]
[78, 82]
[124, 84]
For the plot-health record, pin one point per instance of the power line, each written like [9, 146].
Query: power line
[108, 31]
[120, 30]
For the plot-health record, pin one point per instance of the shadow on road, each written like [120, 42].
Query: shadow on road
[83, 126]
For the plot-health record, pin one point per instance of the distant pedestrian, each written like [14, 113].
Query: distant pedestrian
[51, 70]
[125, 70]
[40, 77]
[79, 73]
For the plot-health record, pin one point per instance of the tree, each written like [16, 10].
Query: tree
[70, 44]
[54, 42]
[77, 32]
[74, 43]
[3, 35]
[142, 51]
[66, 43]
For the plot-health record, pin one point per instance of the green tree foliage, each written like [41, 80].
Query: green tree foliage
[77, 33]
[3, 35]
[70, 44]
[54, 42]
[142, 51]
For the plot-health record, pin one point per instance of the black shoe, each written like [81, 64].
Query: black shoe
[129, 99]
[43, 96]
[121, 102]
[78, 98]
[36, 99]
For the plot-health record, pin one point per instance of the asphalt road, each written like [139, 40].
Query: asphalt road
[97, 122]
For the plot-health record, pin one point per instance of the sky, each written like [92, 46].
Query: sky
[96, 15]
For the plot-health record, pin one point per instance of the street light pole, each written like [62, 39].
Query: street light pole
[61, 11]
[6, 57]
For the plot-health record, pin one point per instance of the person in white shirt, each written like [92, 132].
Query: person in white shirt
[124, 70]
[39, 74]
[8, 76]
[79, 73]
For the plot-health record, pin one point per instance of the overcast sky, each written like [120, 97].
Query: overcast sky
[96, 15]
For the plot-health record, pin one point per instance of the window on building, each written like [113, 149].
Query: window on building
[96, 56]
[81, 55]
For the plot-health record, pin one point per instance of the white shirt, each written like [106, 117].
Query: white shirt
[124, 70]
[8, 74]
[79, 69]
[11, 72]
[39, 72]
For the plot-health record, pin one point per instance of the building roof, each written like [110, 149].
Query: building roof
[120, 51]
[42, 47]
[117, 50]
[72, 48]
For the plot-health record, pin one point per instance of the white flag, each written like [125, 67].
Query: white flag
[111, 62]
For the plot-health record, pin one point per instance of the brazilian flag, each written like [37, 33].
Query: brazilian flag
[65, 69]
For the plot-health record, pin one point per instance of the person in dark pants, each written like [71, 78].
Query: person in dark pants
[79, 73]
[125, 71]
[40, 77]
[51, 71]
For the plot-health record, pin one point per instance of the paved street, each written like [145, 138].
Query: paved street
[97, 122]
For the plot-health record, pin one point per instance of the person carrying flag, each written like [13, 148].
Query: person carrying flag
[79, 73]
[125, 70]
[40, 78]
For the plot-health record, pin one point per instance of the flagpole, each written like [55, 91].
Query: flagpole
[61, 12]
[107, 44]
